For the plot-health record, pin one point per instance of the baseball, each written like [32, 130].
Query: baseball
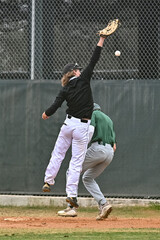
[117, 53]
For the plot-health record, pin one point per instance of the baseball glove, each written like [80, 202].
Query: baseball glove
[111, 28]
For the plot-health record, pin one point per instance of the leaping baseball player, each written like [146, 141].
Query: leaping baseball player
[76, 91]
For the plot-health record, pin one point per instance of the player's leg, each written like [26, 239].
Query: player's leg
[94, 155]
[62, 144]
[70, 211]
[79, 148]
[91, 185]
[95, 171]
[88, 179]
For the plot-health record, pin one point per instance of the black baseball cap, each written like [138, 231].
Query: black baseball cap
[70, 67]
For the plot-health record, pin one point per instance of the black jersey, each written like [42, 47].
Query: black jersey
[77, 92]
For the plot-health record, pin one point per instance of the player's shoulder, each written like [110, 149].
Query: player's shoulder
[105, 116]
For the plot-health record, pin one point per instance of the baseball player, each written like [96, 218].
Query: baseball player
[76, 91]
[99, 155]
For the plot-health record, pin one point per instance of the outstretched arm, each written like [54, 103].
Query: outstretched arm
[101, 41]
[87, 73]
[53, 108]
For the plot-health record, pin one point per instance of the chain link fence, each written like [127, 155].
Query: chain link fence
[37, 38]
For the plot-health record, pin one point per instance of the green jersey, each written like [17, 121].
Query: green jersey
[103, 132]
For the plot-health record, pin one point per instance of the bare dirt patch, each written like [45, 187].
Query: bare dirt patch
[78, 222]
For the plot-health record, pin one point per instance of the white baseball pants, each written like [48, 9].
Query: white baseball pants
[75, 133]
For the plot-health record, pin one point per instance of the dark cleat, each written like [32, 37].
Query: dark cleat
[72, 201]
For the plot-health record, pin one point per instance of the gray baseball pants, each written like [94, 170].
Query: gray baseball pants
[97, 158]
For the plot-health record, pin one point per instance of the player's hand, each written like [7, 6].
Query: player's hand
[44, 116]
[114, 147]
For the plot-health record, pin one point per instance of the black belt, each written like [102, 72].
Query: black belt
[82, 120]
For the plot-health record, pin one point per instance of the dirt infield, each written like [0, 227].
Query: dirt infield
[78, 222]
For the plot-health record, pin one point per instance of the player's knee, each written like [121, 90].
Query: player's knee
[86, 178]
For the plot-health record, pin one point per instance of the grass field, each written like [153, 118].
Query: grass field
[88, 236]
[35, 233]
